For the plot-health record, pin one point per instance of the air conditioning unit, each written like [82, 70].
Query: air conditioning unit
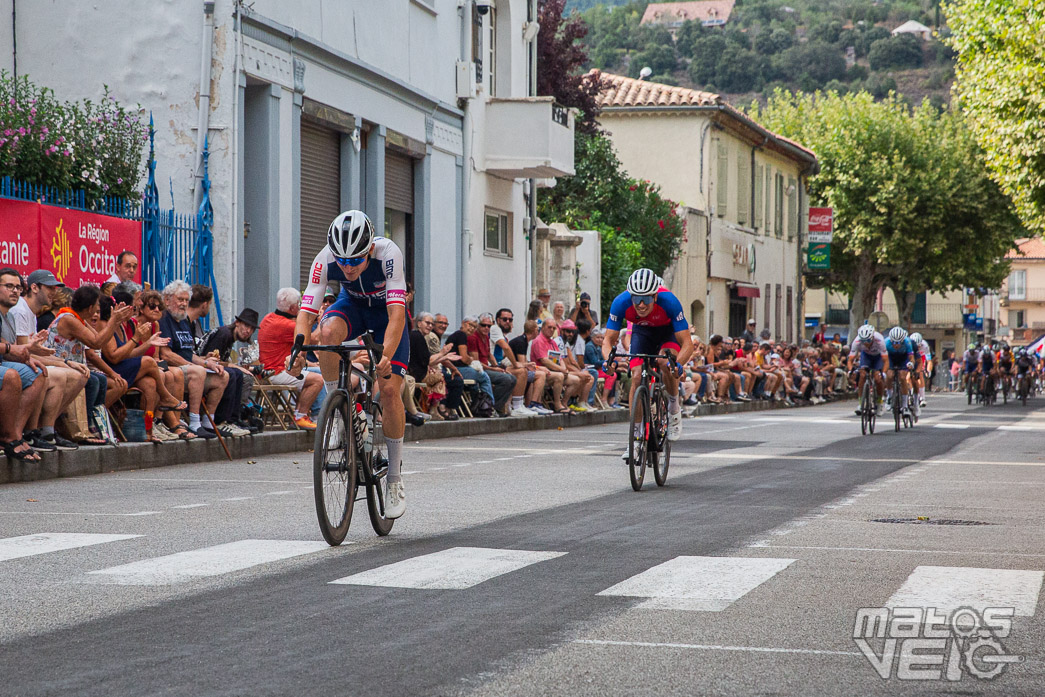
[465, 79]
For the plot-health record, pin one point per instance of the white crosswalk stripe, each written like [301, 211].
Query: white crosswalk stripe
[948, 588]
[202, 563]
[709, 584]
[456, 568]
[43, 543]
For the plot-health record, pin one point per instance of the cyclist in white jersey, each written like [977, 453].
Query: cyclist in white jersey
[373, 298]
[870, 347]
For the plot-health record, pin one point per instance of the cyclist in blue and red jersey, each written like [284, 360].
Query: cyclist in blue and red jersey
[658, 326]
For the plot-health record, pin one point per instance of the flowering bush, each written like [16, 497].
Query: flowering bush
[70, 145]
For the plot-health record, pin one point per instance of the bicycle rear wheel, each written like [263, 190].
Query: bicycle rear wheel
[865, 407]
[896, 403]
[638, 437]
[334, 469]
[375, 473]
[660, 456]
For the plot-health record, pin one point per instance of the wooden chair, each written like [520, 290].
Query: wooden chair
[276, 403]
[465, 410]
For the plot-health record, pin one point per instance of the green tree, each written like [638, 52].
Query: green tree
[659, 58]
[902, 51]
[1001, 87]
[914, 208]
[819, 61]
[703, 68]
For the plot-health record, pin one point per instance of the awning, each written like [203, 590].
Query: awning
[746, 290]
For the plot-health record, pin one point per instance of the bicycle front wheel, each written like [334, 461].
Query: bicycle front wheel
[660, 457]
[375, 473]
[334, 469]
[638, 437]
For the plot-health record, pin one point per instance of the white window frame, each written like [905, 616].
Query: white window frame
[504, 235]
[1018, 288]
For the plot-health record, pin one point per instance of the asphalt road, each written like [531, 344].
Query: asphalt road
[526, 565]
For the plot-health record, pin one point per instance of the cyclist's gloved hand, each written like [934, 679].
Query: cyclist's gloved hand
[910, 366]
[680, 369]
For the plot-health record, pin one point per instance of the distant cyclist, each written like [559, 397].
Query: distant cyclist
[922, 365]
[899, 353]
[971, 362]
[658, 326]
[373, 298]
[869, 347]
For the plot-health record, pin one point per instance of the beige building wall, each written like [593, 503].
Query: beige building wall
[743, 210]
[1023, 299]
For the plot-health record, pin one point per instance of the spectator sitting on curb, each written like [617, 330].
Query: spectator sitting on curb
[451, 375]
[582, 310]
[19, 359]
[237, 392]
[535, 312]
[275, 342]
[571, 348]
[502, 380]
[469, 365]
[559, 312]
[543, 351]
[524, 371]
[435, 337]
[591, 361]
[536, 375]
[218, 343]
[424, 368]
[206, 377]
[64, 380]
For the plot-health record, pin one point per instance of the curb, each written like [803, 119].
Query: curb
[135, 456]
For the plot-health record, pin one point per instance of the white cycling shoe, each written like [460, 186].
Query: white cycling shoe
[395, 500]
[674, 426]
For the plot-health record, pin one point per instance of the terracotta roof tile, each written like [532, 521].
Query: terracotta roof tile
[1029, 248]
[620, 91]
[701, 10]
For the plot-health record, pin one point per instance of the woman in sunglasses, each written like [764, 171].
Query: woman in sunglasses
[373, 298]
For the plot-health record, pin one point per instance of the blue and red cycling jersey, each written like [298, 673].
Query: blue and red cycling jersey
[667, 310]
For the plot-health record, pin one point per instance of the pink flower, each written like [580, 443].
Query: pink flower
[44, 130]
[661, 223]
[8, 132]
[21, 131]
[66, 153]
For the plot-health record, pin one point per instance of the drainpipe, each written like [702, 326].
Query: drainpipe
[465, 8]
[235, 238]
[531, 16]
[203, 121]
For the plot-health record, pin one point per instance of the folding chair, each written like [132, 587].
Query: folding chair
[465, 409]
[600, 384]
[276, 403]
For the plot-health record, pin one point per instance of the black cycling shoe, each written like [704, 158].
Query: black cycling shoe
[36, 439]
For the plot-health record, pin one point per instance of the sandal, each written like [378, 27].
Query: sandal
[92, 440]
[183, 433]
[563, 410]
[180, 406]
[27, 455]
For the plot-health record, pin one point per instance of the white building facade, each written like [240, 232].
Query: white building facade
[416, 111]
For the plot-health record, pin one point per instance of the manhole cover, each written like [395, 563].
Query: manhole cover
[930, 521]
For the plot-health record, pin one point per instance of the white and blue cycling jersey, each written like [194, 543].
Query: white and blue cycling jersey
[899, 353]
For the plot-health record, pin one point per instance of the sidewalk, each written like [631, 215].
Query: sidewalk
[131, 456]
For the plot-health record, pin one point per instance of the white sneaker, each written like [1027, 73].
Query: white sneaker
[395, 500]
[921, 402]
[523, 411]
[540, 409]
[674, 426]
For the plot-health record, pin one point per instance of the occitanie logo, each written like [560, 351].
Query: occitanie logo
[61, 254]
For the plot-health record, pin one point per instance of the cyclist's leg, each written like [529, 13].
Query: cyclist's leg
[393, 411]
[339, 323]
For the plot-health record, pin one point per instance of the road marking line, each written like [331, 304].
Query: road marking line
[716, 647]
[242, 498]
[948, 588]
[279, 493]
[192, 505]
[209, 561]
[708, 584]
[960, 427]
[1018, 428]
[44, 543]
[141, 513]
[765, 543]
[452, 569]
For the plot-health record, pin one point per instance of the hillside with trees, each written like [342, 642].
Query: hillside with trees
[804, 45]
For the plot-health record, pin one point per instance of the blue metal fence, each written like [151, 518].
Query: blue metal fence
[174, 245]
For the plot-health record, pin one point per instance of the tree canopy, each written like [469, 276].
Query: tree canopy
[914, 206]
[1001, 87]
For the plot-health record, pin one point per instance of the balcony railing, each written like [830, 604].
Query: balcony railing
[530, 137]
[1030, 295]
[935, 314]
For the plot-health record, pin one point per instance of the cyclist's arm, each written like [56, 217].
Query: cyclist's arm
[312, 298]
[685, 342]
[394, 330]
[609, 341]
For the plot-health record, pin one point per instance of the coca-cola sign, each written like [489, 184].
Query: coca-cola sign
[821, 225]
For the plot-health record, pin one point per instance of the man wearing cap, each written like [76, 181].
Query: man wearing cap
[749, 333]
[582, 310]
[218, 343]
[545, 296]
[126, 267]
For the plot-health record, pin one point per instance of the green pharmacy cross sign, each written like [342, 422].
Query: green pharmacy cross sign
[819, 256]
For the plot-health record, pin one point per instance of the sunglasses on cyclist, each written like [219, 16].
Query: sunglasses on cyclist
[354, 261]
[643, 299]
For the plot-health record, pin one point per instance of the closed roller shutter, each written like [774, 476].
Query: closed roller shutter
[399, 182]
[320, 189]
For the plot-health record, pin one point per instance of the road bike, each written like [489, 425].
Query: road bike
[989, 391]
[1006, 387]
[867, 406]
[349, 445]
[1023, 388]
[648, 443]
[971, 382]
[899, 415]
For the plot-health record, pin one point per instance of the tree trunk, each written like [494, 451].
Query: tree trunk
[905, 300]
[864, 292]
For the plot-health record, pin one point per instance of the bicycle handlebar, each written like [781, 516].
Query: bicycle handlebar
[368, 345]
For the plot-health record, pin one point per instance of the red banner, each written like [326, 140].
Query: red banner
[78, 247]
[20, 235]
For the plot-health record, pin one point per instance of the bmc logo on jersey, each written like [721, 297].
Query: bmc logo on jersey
[389, 268]
[317, 272]
[680, 317]
[307, 300]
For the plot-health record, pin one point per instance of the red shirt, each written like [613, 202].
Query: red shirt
[541, 346]
[479, 346]
[275, 339]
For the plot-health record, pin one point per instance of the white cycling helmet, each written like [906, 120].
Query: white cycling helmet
[897, 334]
[643, 282]
[916, 338]
[865, 332]
[350, 235]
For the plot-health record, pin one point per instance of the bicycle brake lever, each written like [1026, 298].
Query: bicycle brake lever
[299, 341]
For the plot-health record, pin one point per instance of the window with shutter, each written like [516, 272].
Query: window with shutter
[768, 203]
[759, 189]
[778, 206]
[320, 189]
[399, 182]
[722, 178]
[743, 188]
[792, 209]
